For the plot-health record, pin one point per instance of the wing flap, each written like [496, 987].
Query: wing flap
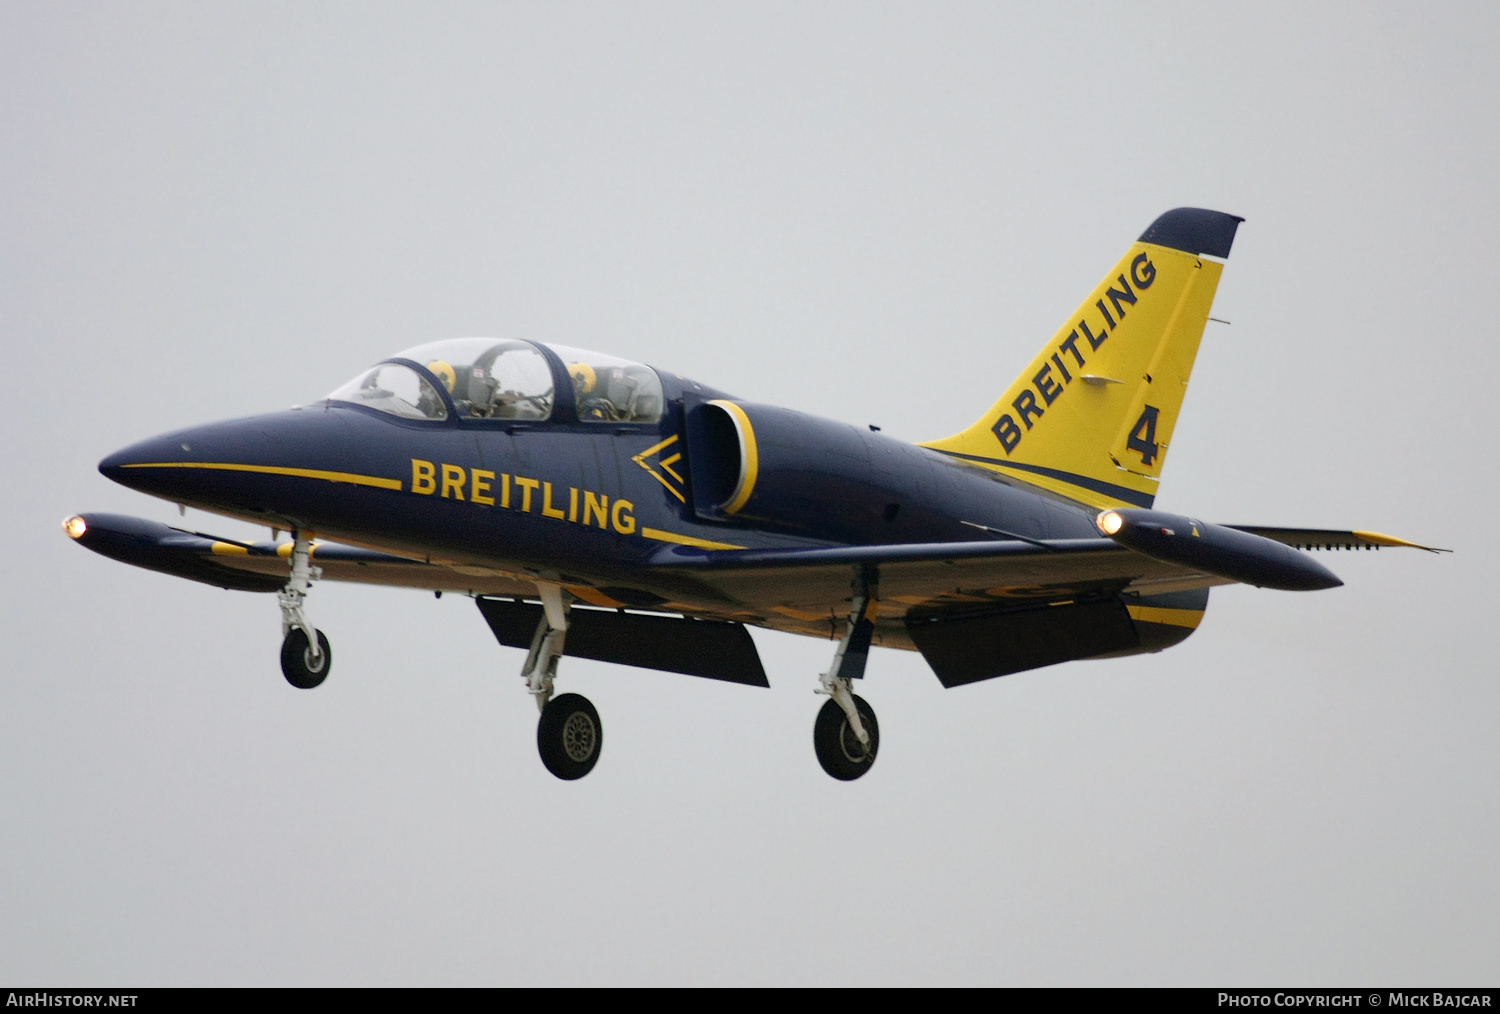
[707, 648]
[967, 649]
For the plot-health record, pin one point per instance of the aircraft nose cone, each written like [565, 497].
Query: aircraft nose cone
[253, 438]
[231, 464]
[128, 466]
[191, 464]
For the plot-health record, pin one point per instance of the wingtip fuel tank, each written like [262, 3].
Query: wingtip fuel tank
[1215, 549]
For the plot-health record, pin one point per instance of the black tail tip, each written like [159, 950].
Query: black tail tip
[1195, 231]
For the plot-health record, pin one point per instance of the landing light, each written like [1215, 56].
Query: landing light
[1109, 522]
[75, 527]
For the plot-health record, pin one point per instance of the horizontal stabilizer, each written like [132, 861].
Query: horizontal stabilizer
[707, 648]
[1328, 538]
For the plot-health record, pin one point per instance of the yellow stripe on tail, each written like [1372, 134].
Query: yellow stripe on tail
[1092, 416]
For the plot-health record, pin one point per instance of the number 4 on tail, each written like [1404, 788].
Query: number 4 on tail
[1143, 436]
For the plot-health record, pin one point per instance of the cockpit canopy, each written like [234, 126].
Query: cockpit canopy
[610, 390]
[488, 378]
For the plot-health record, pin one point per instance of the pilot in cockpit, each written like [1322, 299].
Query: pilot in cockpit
[606, 394]
[591, 407]
[445, 375]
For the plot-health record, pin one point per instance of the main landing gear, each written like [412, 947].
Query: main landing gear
[569, 734]
[305, 655]
[846, 735]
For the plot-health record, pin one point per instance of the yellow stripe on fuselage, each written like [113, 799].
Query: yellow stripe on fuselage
[355, 478]
[684, 540]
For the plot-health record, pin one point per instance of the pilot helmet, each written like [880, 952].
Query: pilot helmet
[583, 376]
[443, 372]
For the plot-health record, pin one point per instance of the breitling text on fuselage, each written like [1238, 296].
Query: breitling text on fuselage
[518, 492]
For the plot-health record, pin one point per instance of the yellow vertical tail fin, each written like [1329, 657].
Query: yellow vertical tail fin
[1092, 416]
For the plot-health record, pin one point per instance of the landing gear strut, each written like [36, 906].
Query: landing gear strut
[569, 734]
[846, 735]
[305, 655]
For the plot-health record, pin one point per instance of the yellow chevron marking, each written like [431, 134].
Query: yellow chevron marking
[640, 459]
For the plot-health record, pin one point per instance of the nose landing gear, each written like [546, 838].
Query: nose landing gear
[304, 667]
[569, 734]
[305, 655]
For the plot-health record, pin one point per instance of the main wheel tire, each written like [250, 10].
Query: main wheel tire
[839, 749]
[569, 736]
[298, 664]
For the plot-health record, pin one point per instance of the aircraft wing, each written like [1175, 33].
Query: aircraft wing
[940, 578]
[931, 575]
[975, 610]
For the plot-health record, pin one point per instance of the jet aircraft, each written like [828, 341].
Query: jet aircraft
[600, 508]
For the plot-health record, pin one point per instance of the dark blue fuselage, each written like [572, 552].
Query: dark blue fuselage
[568, 497]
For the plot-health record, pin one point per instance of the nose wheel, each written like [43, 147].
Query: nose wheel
[305, 655]
[303, 667]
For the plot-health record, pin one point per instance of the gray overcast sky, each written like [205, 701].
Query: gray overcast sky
[876, 212]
